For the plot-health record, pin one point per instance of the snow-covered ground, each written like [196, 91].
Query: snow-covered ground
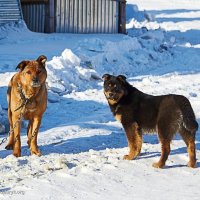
[82, 144]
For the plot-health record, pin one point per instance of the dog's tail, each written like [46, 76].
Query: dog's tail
[189, 119]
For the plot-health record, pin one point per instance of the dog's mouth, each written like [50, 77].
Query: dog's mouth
[35, 85]
[113, 96]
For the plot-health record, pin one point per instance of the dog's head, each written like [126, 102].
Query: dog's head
[114, 87]
[33, 73]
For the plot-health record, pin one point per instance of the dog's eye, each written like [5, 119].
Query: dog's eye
[39, 71]
[28, 72]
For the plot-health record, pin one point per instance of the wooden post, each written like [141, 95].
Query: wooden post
[49, 17]
[122, 16]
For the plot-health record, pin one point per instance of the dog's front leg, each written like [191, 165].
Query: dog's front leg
[32, 136]
[10, 144]
[134, 137]
[16, 134]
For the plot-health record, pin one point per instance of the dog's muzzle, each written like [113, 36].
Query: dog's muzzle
[113, 96]
[35, 83]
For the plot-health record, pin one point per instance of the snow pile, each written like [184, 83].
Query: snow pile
[65, 73]
[130, 56]
[7, 31]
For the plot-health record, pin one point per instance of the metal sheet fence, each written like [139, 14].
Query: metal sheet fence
[9, 11]
[34, 16]
[86, 16]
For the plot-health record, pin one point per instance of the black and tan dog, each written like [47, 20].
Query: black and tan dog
[139, 112]
[27, 98]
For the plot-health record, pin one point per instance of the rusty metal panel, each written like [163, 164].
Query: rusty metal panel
[10, 11]
[86, 16]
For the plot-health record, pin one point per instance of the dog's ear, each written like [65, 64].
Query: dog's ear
[42, 59]
[122, 78]
[106, 77]
[22, 65]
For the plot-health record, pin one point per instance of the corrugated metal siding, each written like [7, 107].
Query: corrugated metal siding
[34, 16]
[87, 16]
[9, 11]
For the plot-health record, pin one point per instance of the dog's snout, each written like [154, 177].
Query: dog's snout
[111, 94]
[35, 79]
[35, 82]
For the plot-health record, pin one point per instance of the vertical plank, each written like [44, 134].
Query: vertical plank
[61, 16]
[71, 16]
[88, 16]
[107, 16]
[99, 16]
[67, 18]
[80, 19]
[122, 16]
[115, 14]
[92, 16]
[37, 13]
[111, 17]
[75, 16]
[84, 17]
[57, 16]
[96, 16]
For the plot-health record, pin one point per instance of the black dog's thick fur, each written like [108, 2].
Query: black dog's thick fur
[139, 112]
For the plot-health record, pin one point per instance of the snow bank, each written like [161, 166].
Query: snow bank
[130, 56]
[94, 57]
[66, 73]
[12, 30]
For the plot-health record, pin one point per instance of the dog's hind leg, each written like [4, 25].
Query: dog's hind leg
[165, 150]
[165, 135]
[189, 139]
[134, 137]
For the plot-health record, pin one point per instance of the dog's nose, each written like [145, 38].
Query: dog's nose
[35, 80]
[111, 95]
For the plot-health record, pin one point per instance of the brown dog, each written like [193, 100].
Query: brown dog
[27, 98]
[139, 112]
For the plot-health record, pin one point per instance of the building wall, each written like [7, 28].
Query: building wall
[86, 16]
[72, 16]
[10, 11]
[34, 16]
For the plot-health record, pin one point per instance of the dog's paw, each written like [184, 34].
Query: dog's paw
[9, 147]
[36, 152]
[128, 157]
[158, 165]
[192, 164]
[17, 153]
